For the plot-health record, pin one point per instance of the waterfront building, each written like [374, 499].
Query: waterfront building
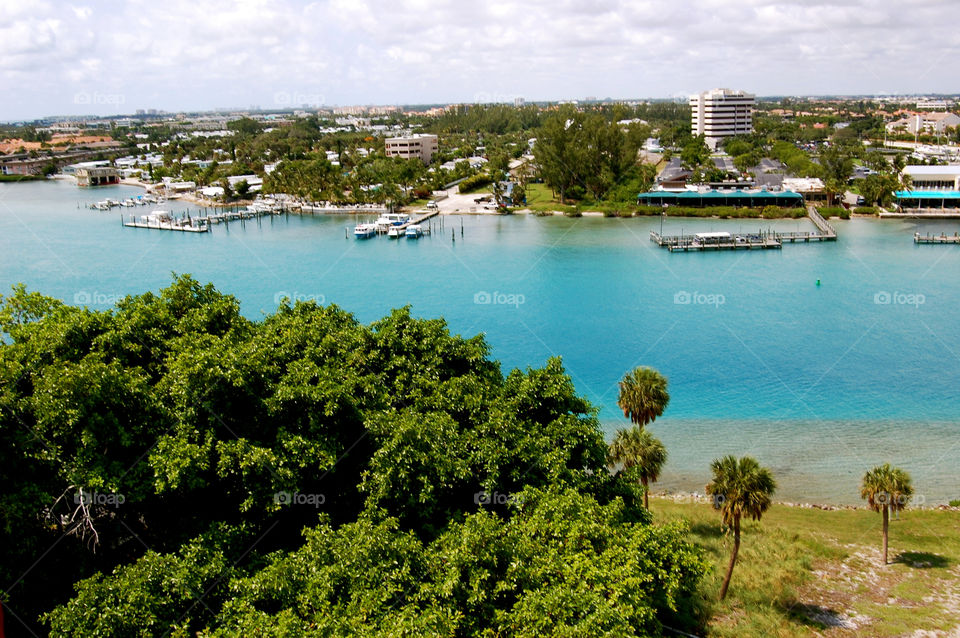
[419, 145]
[721, 113]
[939, 178]
[97, 175]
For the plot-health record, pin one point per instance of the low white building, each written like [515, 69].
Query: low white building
[934, 178]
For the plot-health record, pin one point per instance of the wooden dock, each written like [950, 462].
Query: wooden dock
[422, 218]
[760, 240]
[690, 243]
[942, 238]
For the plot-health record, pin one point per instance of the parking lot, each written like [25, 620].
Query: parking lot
[455, 202]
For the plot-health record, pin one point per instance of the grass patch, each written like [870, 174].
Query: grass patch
[806, 571]
[21, 178]
[540, 200]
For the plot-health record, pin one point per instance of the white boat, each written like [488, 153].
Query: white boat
[394, 232]
[364, 231]
[386, 220]
[414, 231]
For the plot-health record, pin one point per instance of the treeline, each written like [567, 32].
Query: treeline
[582, 154]
[172, 468]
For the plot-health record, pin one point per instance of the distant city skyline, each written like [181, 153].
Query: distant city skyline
[111, 57]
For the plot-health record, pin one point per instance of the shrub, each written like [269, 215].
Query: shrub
[474, 183]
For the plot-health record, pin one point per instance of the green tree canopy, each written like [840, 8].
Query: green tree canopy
[170, 465]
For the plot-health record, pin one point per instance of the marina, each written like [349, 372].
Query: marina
[395, 225]
[771, 309]
[165, 220]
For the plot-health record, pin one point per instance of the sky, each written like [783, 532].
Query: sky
[113, 57]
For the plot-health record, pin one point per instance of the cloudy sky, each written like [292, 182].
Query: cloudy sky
[61, 57]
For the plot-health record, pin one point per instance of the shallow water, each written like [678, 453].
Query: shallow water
[819, 382]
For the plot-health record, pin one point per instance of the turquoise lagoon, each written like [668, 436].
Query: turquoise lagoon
[820, 382]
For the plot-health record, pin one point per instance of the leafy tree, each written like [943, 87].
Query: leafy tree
[643, 395]
[640, 454]
[886, 489]
[582, 152]
[695, 152]
[836, 167]
[242, 188]
[208, 424]
[740, 487]
[227, 189]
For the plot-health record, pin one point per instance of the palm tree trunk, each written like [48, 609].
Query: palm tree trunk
[733, 558]
[886, 523]
[646, 494]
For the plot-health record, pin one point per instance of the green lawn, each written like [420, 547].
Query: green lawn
[811, 572]
[540, 199]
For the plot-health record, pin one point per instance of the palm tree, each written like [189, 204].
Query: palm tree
[739, 488]
[643, 395]
[886, 488]
[639, 450]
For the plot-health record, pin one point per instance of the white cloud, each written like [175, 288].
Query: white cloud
[181, 54]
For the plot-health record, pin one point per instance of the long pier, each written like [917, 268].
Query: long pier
[942, 238]
[199, 224]
[760, 240]
[422, 218]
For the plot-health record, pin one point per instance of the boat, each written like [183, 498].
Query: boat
[394, 232]
[414, 231]
[386, 220]
[364, 231]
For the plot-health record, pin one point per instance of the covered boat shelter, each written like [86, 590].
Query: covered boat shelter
[737, 198]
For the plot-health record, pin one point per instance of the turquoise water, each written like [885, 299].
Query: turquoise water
[819, 382]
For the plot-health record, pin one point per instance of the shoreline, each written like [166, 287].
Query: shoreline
[697, 498]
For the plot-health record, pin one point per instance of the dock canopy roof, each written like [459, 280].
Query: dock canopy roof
[721, 198]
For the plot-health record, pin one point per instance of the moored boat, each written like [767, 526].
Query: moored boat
[364, 231]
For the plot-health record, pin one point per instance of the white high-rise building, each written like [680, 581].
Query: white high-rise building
[720, 113]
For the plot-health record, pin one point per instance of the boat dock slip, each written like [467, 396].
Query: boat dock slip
[715, 241]
[942, 238]
[164, 220]
[762, 240]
